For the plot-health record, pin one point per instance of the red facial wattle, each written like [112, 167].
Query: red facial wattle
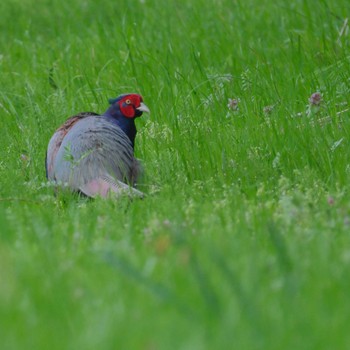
[129, 104]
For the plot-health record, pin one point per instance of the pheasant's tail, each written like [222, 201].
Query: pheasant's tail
[106, 184]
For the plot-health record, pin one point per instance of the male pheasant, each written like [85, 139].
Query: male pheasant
[94, 154]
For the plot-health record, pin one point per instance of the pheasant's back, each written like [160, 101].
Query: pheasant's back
[93, 147]
[57, 138]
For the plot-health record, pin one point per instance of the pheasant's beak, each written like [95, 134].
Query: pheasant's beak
[143, 108]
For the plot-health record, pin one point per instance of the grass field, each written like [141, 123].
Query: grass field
[243, 240]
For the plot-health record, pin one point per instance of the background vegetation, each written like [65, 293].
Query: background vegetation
[243, 240]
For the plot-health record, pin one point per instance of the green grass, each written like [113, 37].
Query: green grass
[243, 239]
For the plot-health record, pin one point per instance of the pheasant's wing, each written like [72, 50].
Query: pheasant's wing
[105, 185]
[93, 148]
[57, 138]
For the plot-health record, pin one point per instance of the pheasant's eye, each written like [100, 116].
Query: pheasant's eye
[127, 101]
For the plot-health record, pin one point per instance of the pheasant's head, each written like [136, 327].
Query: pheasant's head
[129, 105]
[123, 110]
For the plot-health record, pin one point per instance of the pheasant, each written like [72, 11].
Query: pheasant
[94, 154]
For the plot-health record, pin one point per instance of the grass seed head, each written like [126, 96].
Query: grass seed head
[315, 99]
[233, 104]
